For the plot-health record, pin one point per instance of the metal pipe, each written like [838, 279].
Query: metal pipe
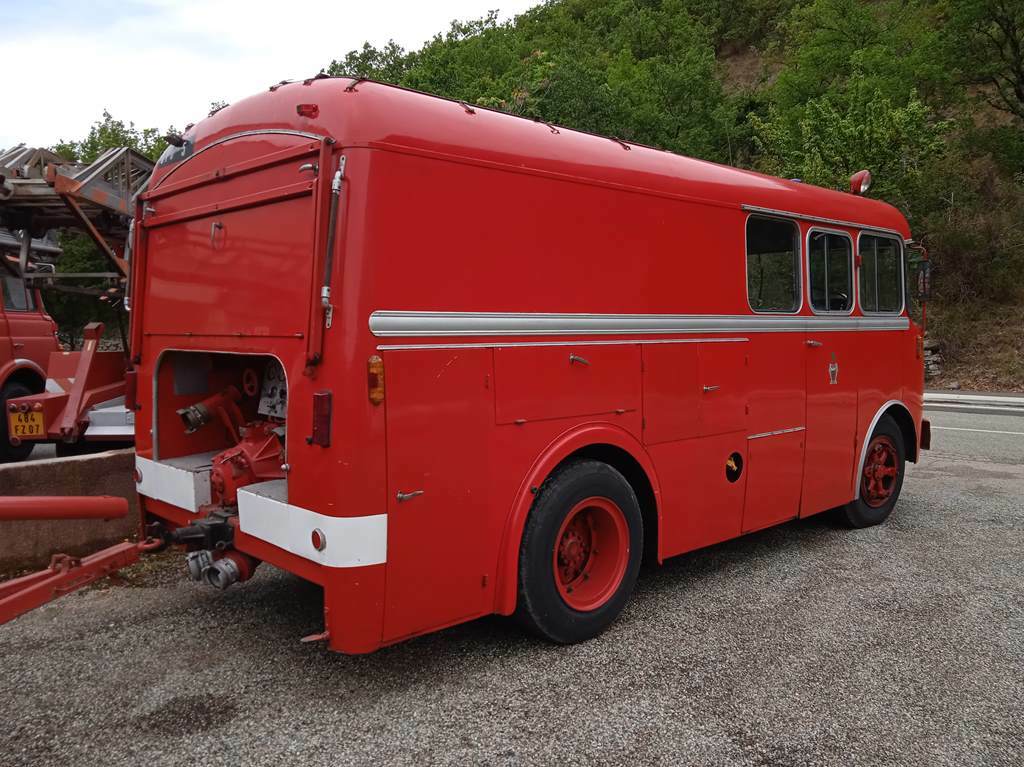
[332, 225]
[27, 507]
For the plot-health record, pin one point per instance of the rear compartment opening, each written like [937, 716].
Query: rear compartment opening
[220, 425]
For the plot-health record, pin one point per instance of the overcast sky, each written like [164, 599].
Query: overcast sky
[159, 63]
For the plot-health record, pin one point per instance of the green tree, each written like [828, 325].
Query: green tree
[109, 132]
[892, 47]
[984, 44]
[642, 71]
[840, 133]
[73, 311]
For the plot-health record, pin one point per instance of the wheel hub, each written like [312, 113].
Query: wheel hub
[590, 553]
[881, 466]
[574, 550]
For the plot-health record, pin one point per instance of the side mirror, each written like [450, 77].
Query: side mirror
[924, 280]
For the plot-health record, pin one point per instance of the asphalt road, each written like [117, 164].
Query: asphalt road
[806, 644]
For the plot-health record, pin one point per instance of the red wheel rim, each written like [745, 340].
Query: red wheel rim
[881, 466]
[591, 553]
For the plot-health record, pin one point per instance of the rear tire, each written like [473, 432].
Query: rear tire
[8, 452]
[881, 477]
[580, 553]
[81, 447]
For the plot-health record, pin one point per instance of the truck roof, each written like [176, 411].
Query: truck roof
[366, 113]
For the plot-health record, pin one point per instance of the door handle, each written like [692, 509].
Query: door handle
[707, 389]
[214, 226]
[576, 358]
[813, 344]
[407, 496]
[18, 345]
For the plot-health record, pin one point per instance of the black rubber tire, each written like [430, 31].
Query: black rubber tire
[540, 607]
[82, 447]
[8, 452]
[857, 513]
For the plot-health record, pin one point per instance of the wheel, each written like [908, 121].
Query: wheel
[580, 553]
[8, 452]
[69, 449]
[881, 478]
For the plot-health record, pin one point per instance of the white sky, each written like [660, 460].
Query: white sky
[159, 63]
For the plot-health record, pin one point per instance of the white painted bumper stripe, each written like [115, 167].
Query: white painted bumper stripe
[187, 487]
[351, 541]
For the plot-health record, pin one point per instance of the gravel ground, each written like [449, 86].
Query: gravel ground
[799, 645]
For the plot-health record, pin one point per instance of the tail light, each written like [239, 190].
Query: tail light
[321, 419]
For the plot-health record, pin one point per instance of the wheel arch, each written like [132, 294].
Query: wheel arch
[900, 413]
[603, 442]
[23, 371]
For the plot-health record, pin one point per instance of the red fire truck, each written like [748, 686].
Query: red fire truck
[447, 362]
[27, 340]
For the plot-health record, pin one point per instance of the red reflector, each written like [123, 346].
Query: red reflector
[131, 388]
[321, 419]
[308, 110]
[318, 539]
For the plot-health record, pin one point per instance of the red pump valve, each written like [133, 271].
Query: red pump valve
[256, 458]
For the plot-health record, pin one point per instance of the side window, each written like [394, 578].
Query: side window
[773, 265]
[830, 265]
[16, 297]
[881, 282]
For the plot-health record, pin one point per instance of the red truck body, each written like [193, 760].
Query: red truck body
[504, 299]
[27, 338]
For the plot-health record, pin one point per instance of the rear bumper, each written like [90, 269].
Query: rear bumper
[264, 513]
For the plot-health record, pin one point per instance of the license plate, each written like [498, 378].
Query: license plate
[26, 425]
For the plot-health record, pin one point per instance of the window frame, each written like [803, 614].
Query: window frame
[903, 277]
[854, 298]
[31, 305]
[799, 263]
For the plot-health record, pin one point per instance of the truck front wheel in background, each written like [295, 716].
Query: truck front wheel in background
[881, 477]
[9, 452]
[580, 553]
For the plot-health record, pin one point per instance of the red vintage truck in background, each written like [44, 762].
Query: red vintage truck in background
[28, 336]
[447, 362]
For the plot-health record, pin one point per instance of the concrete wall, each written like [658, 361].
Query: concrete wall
[26, 545]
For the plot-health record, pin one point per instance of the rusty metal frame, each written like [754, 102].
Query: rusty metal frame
[38, 188]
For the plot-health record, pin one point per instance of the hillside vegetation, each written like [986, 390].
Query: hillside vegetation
[927, 94]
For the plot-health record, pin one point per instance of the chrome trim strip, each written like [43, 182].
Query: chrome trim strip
[819, 219]
[776, 433]
[506, 345]
[389, 324]
[867, 439]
